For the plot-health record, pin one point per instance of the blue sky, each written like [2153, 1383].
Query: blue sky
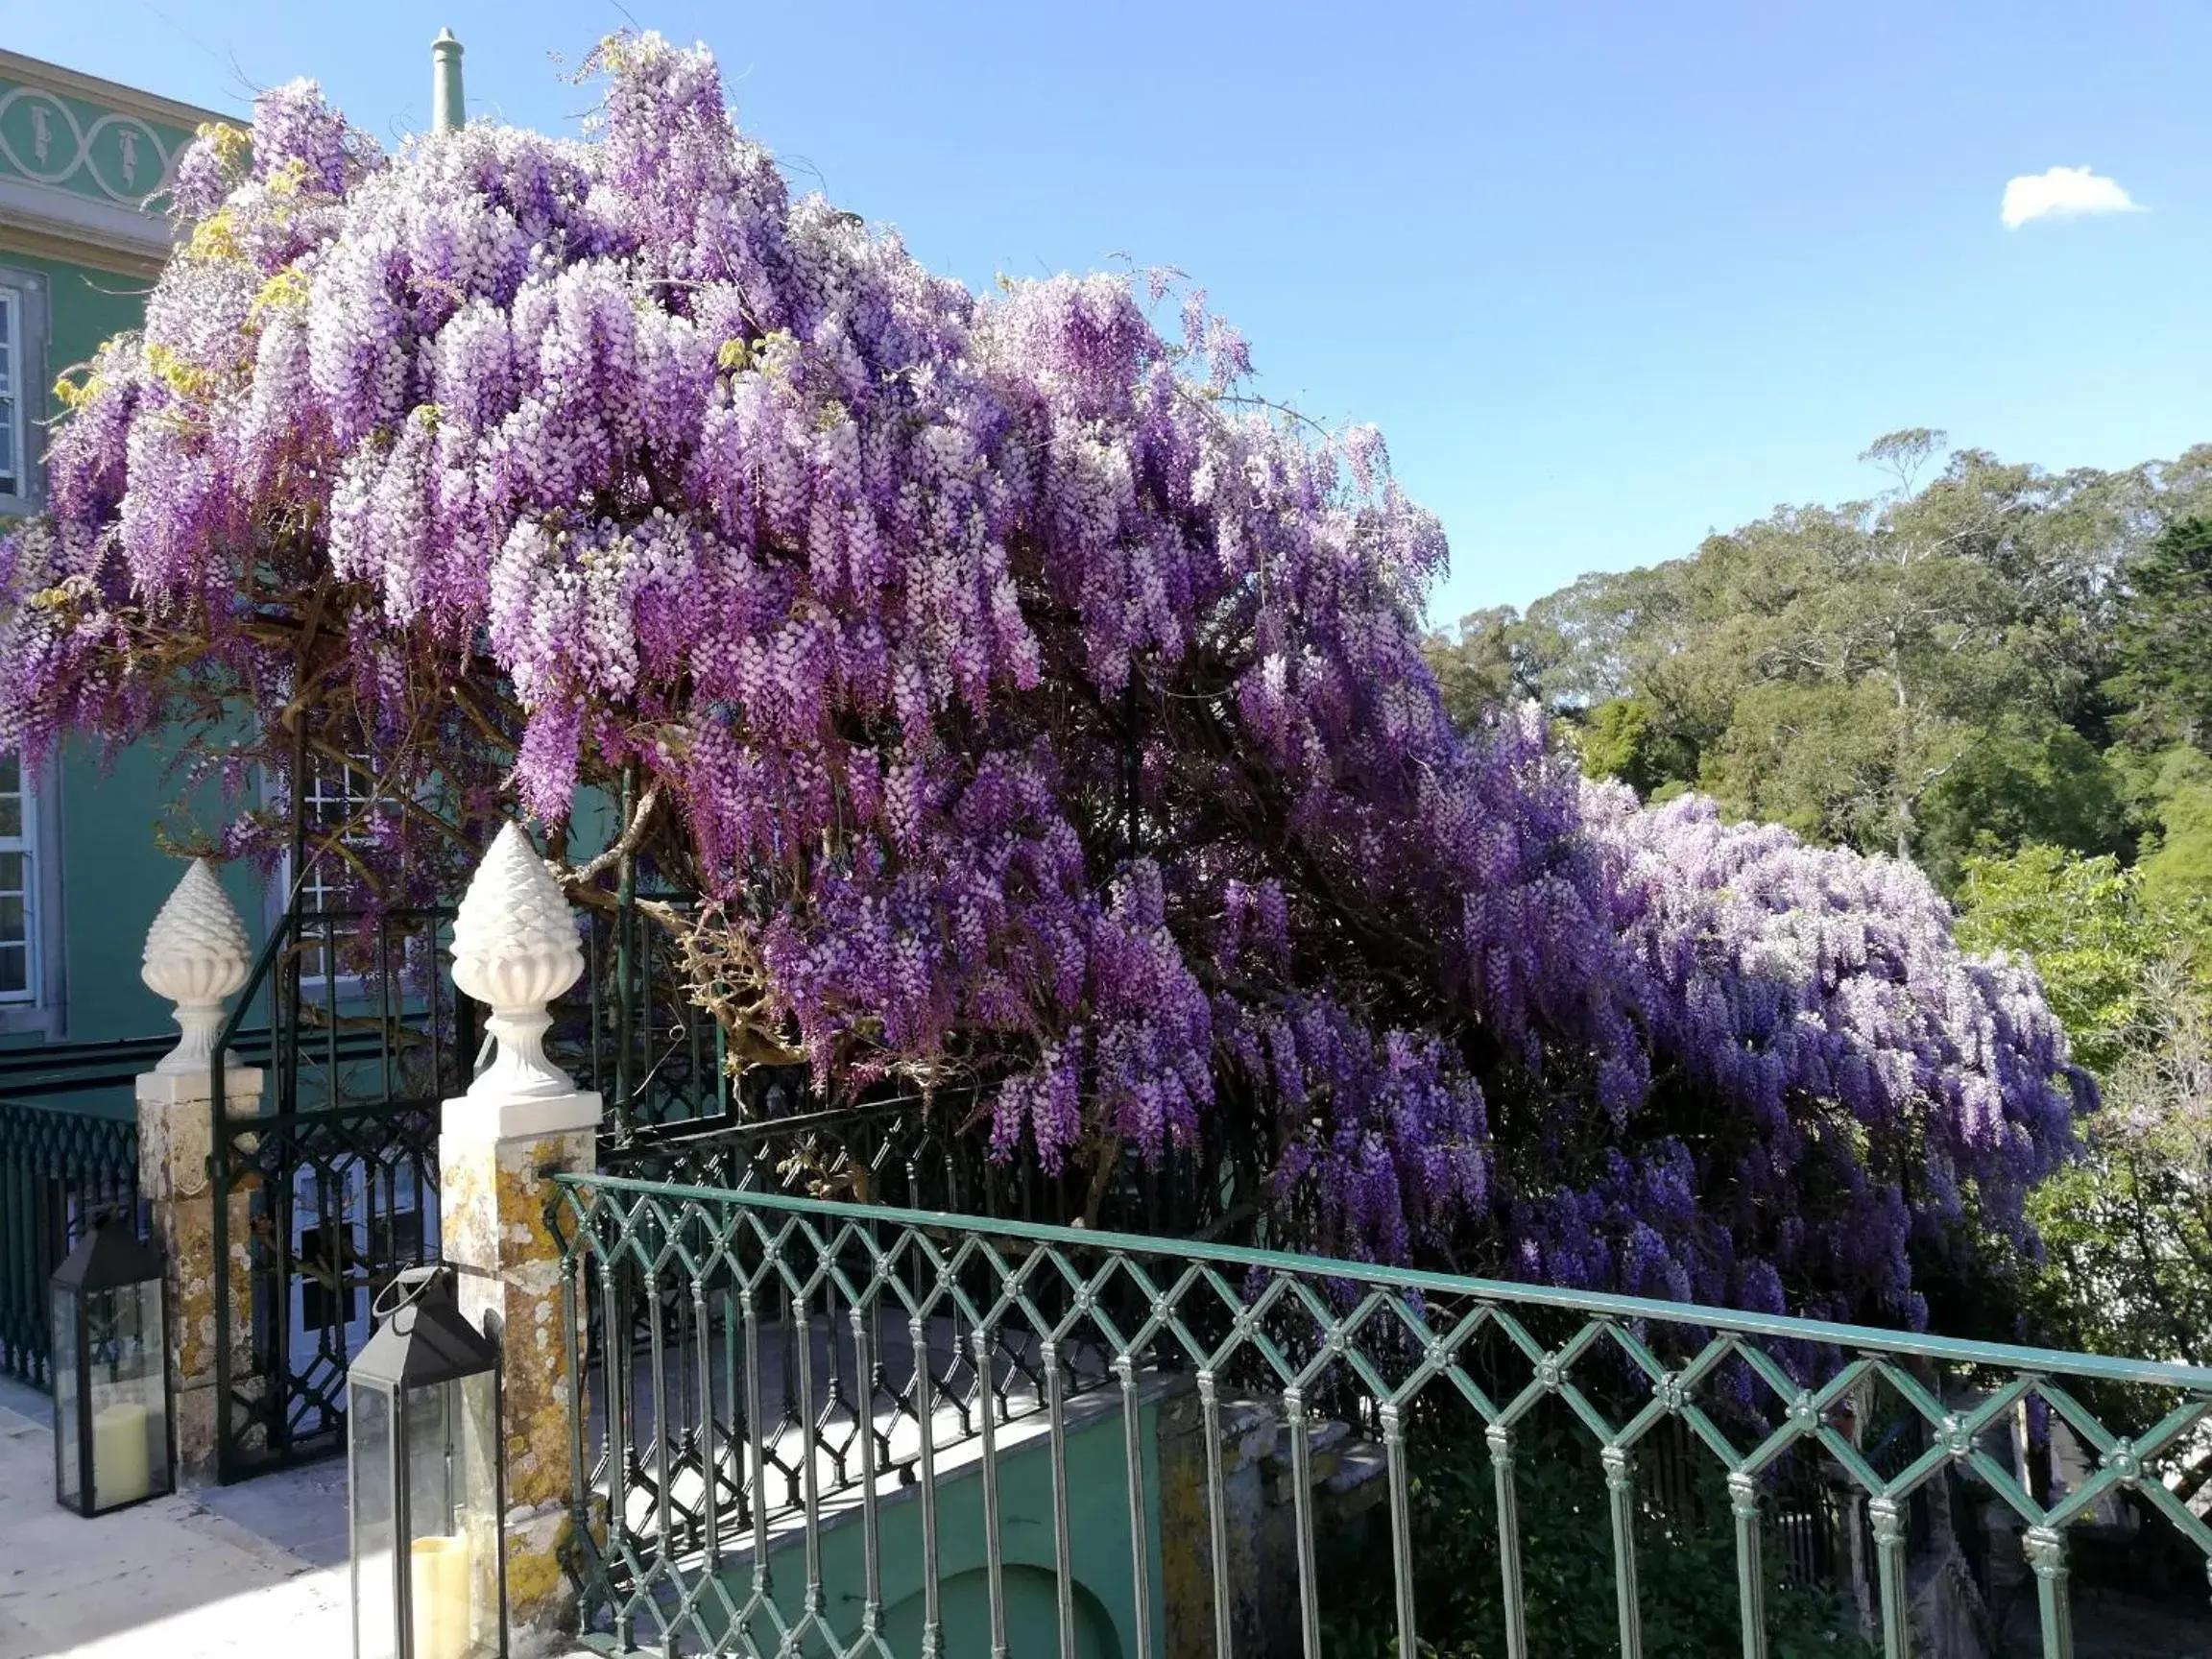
[1607, 276]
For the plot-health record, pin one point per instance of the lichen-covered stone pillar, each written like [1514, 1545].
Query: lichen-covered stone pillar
[522, 1121]
[196, 958]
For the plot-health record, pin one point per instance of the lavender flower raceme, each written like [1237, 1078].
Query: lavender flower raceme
[1024, 703]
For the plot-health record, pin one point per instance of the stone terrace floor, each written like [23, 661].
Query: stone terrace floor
[258, 1567]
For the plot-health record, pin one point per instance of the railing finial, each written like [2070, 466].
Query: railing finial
[516, 947]
[196, 958]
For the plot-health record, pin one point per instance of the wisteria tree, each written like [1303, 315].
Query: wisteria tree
[1027, 705]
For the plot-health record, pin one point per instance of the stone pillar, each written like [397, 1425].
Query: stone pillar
[1253, 1473]
[196, 958]
[516, 947]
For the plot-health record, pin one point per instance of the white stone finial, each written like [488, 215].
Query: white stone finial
[196, 958]
[516, 947]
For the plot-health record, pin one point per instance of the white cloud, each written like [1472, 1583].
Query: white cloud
[2062, 193]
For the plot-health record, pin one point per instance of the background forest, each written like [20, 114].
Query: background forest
[2004, 675]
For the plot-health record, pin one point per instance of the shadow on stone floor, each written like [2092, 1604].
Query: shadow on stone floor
[212, 1572]
[2113, 1625]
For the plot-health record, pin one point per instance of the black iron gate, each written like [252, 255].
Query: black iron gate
[326, 1185]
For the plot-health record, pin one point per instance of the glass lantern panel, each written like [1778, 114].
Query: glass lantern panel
[454, 1518]
[128, 1398]
[68, 1476]
[369, 1484]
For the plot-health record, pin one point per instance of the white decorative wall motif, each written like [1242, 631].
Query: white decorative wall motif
[79, 150]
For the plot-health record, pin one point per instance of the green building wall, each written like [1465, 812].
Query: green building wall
[86, 307]
[78, 157]
[68, 184]
[113, 874]
[1105, 1586]
[114, 879]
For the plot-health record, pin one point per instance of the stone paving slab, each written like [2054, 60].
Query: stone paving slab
[256, 1569]
[197, 1576]
[302, 1511]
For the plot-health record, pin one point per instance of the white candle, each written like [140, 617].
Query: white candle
[440, 1589]
[121, 1472]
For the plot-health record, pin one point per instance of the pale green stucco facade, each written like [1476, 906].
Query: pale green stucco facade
[83, 231]
[1101, 1555]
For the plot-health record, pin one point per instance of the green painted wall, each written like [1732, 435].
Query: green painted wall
[1098, 1546]
[84, 307]
[106, 147]
[1032, 1616]
[113, 879]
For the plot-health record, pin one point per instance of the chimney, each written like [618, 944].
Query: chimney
[446, 106]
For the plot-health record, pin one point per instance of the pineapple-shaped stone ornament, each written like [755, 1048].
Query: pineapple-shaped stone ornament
[516, 947]
[196, 958]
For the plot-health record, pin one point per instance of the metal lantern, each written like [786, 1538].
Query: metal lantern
[427, 1488]
[110, 1374]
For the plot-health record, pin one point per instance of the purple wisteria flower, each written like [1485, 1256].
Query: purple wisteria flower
[1032, 705]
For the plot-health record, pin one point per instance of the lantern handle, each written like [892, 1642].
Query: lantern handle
[413, 1284]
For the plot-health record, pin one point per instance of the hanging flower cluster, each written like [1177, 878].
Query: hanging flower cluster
[1026, 702]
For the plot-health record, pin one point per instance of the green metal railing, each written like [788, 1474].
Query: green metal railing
[801, 1356]
[916, 1150]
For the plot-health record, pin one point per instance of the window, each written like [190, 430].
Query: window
[337, 799]
[30, 879]
[19, 907]
[22, 380]
[10, 406]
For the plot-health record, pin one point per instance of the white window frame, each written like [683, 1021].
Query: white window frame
[24, 845]
[353, 792]
[40, 1006]
[334, 788]
[23, 325]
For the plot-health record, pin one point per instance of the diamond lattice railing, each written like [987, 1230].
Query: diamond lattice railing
[783, 1367]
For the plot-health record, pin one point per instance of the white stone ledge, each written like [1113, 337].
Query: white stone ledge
[241, 1087]
[478, 1120]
